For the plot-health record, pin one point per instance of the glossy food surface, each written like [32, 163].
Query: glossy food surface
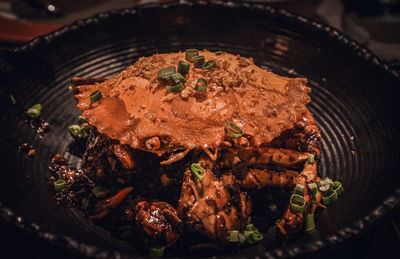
[354, 99]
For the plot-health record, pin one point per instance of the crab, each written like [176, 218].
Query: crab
[248, 129]
[158, 221]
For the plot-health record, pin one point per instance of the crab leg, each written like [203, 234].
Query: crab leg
[256, 178]
[78, 81]
[265, 156]
[292, 221]
[102, 208]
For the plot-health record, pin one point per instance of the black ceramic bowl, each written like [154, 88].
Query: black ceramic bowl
[354, 99]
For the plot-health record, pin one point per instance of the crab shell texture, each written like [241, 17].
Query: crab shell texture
[137, 110]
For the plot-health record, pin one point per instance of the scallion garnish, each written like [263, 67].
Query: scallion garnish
[329, 197]
[78, 132]
[81, 118]
[234, 236]
[233, 130]
[165, 73]
[299, 189]
[12, 99]
[157, 251]
[251, 227]
[175, 88]
[177, 78]
[219, 52]
[201, 85]
[325, 181]
[297, 203]
[309, 222]
[209, 65]
[59, 185]
[310, 159]
[198, 171]
[254, 236]
[191, 53]
[338, 187]
[183, 67]
[84, 132]
[313, 188]
[75, 130]
[34, 111]
[95, 96]
[198, 61]
[99, 192]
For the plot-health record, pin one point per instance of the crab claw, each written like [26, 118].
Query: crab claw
[159, 221]
[102, 208]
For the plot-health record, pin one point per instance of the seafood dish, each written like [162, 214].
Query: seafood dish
[189, 144]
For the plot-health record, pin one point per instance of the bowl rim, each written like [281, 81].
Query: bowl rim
[328, 242]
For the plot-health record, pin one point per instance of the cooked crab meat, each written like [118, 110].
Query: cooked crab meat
[159, 221]
[206, 206]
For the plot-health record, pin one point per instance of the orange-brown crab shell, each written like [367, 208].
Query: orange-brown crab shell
[136, 106]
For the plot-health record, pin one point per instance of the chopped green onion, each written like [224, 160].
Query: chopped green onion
[175, 88]
[59, 185]
[78, 132]
[75, 130]
[12, 99]
[95, 96]
[83, 119]
[165, 73]
[247, 233]
[251, 227]
[99, 192]
[34, 111]
[338, 187]
[201, 85]
[198, 61]
[37, 107]
[234, 236]
[310, 159]
[325, 181]
[255, 236]
[313, 188]
[209, 65]
[272, 207]
[299, 189]
[233, 130]
[309, 222]
[156, 251]
[84, 133]
[198, 171]
[219, 52]
[325, 188]
[183, 67]
[191, 53]
[177, 78]
[329, 199]
[297, 203]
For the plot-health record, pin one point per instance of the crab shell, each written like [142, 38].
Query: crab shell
[137, 110]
